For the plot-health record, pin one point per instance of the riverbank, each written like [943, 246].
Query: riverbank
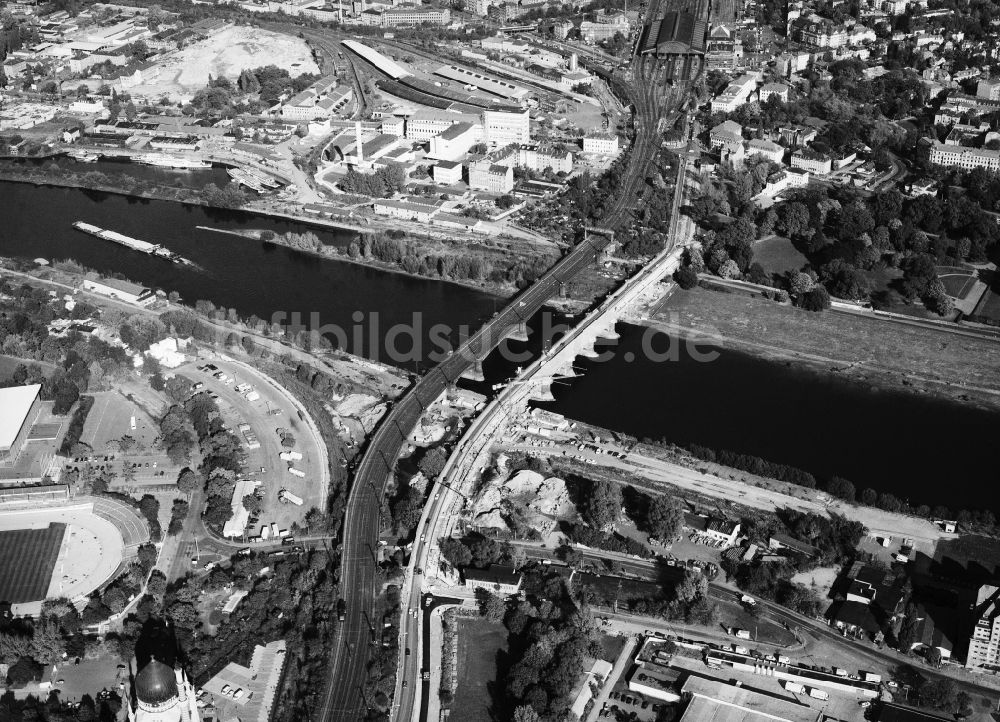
[867, 351]
[489, 262]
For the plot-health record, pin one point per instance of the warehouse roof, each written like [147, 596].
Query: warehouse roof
[491, 85]
[15, 403]
[716, 701]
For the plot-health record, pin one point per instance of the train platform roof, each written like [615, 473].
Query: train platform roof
[678, 33]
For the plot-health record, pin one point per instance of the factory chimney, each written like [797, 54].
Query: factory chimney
[357, 141]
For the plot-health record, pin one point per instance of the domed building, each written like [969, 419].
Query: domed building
[159, 688]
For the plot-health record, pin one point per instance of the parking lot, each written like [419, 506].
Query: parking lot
[261, 415]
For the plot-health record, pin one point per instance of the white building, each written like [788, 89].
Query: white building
[727, 135]
[811, 161]
[404, 15]
[723, 530]
[236, 525]
[425, 124]
[984, 644]
[405, 210]
[601, 143]
[122, 290]
[774, 89]
[496, 578]
[455, 141]
[18, 408]
[500, 128]
[737, 93]
[989, 89]
[248, 693]
[963, 157]
[447, 173]
[656, 682]
[485, 175]
[771, 151]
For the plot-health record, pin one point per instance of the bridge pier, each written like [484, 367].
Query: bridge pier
[520, 333]
[474, 372]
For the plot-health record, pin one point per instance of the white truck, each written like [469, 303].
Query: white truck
[288, 497]
[794, 688]
[741, 633]
[296, 472]
[265, 531]
[251, 396]
[290, 456]
[818, 693]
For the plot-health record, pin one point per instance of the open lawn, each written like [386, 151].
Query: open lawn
[27, 558]
[9, 364]
[778, 255]
[479, 643]
[111, 419]
[857, 346]
[88, 677]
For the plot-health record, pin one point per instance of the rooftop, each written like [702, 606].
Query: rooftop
[495, 574]
[715, 701]
[15, 402]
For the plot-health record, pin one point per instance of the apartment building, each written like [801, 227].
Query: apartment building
[810, 160]
[486, 175]
[415, 16]
[601, 143]
[984, 644]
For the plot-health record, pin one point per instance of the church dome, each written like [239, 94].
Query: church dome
[155, 683]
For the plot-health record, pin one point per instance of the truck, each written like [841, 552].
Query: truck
[288, 497]
[243, 388]
[872, 677]
[290, 456]
[741, 633]
[274, 529]
[265, 531]
[818, 693]
[251, 396]
[794, 688]
[296, 472]
[341, 609]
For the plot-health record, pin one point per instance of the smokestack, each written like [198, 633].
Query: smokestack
[357, 141]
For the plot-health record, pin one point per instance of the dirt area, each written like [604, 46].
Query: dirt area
[88, 677]
[227, 53]
[820, 579]
[864, 349]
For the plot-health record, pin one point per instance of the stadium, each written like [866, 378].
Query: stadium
[60, 547]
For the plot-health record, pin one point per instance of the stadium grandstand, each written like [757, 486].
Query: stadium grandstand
[32, 494]
[677, 34]
[375, 58]
[501, 88]
[133, 528]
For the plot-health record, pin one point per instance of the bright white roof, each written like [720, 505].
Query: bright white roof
[15, 402]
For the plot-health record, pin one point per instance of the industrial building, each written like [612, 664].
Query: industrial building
[447, 172]
[423, 125]
[122, 290]
[501, 128]
[18, 409]
[455, 141]
[737, 93]
[500, 88]
[415, 16]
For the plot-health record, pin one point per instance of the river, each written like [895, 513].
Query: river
[909, 445]
[922, 449]
[198, 178]
[253, 277]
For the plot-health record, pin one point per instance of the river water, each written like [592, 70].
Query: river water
[253, 277]
[912, 446]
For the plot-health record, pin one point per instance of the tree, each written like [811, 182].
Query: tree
[433, 462]
[189, 481]
[933, 657]
[526, 713]
[603, 506]
[252, 504]
[686, 277]
[841, 488]
[491, 606]
[177, 389]
[570, 555]
[665, 518]
[816, 299]
[456, 552]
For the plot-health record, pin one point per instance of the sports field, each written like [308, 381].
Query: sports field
[27, 558]
[957, 281]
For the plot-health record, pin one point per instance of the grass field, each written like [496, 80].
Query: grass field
[27, 558]
[957, 281]
[872, 348]
[8, 364]
[777, 255]
[479, 643]
[111, 418]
